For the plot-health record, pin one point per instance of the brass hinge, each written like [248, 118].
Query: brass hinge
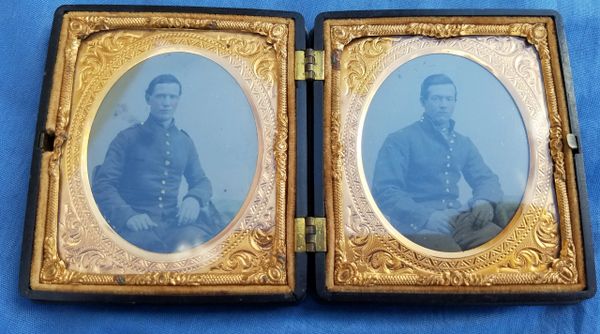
[309, 65]
[310, 234]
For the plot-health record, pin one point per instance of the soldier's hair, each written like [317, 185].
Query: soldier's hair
[161, 79]
[435, 79]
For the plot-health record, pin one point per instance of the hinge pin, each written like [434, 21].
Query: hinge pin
[310, 234]
[309, 65]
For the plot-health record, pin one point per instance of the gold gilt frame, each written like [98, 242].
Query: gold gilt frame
[94, 50]
[534, 253]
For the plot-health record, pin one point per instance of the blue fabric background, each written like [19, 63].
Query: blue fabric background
[23, 45]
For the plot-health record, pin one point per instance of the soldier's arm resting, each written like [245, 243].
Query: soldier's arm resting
[199, 186]
[105, 184]
[484, 183]
[389, 189]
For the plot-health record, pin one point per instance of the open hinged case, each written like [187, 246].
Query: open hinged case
[199, 154]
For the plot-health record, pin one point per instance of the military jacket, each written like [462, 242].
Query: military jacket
[142, 173]
[417, 172]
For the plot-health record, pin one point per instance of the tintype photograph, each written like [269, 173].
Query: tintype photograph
[445, 152]
[166, 166]
[169, 160]
[447, 164]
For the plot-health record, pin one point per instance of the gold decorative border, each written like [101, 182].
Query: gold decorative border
[538, 268]
[273, 271]
[106, 57]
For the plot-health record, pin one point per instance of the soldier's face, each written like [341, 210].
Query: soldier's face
[163, 101]
[439, 104]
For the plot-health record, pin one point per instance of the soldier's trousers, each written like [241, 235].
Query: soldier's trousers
[169, 237]
[467, 233]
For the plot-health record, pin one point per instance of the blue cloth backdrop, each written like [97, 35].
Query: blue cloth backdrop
[23, 44]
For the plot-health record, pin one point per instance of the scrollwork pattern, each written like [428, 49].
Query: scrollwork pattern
[75, 251]
[455, 278]
[536, 250]
[360, 54]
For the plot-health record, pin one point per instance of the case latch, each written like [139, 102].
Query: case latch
[572, 141]
[309, 65]
[310, 234]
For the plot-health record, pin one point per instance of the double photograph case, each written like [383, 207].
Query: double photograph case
[225, 155]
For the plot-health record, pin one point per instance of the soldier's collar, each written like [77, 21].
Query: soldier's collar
[425, 119]
[154, 124]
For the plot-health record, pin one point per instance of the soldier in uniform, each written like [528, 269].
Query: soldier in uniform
[137, 186]
[415, 182]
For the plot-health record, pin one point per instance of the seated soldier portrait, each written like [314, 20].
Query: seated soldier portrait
[416, 175]
[137, 186]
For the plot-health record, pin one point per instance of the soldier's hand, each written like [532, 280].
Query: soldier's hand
[483, 212]
[141, 222]
[189, 211]
[439, 221]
